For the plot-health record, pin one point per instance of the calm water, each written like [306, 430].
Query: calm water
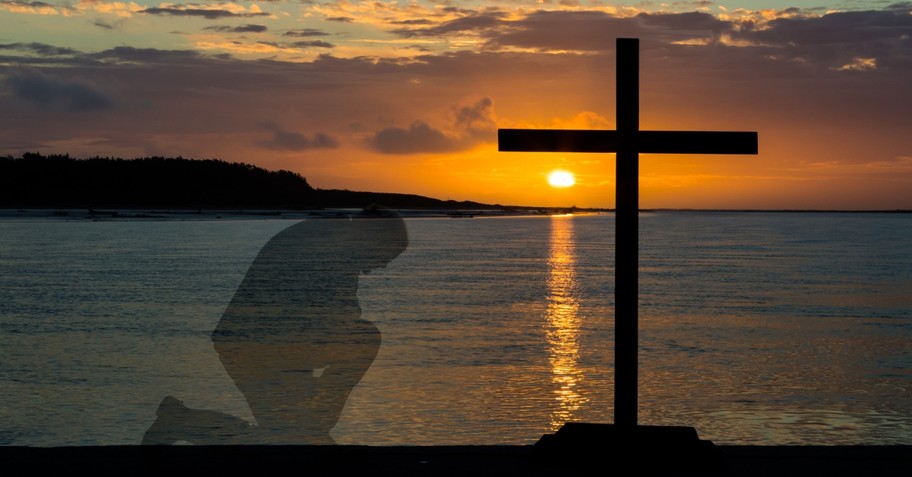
[756, 328]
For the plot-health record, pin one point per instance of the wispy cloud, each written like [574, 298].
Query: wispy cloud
[305, 32]
[235, 11]
[249, 28]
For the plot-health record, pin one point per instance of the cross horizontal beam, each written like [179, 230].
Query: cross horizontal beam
[651, 142]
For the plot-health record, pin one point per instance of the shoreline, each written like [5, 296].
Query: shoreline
[501, 461]
[140, 213]
[210, 214]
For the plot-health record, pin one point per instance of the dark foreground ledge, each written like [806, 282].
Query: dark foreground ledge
[473, 461]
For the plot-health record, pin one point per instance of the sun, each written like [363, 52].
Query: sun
[561, 179]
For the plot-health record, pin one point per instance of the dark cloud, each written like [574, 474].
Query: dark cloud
[684, 22]
[109, 25]
[43, 54]
[313, 44]
[249, 28]
[52, 93]
[473, 122]
[130, 54]
[189, 12]
[580, 31]
[305, 32]
[40, 49]
[422, 21]
[418, 138]
[476, 119]
[102, 24]
[696, 4]
[836, 28]
[209, 14]
[462, 11]
[292, 141]
[28, 4]
[471, 23]
[828, 41]
[340, 19]
[40, 54]
[834, 39]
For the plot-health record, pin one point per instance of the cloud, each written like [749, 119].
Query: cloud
[249, 28]
[40, 49]
[684, 22]
[292, 141]
[595, 31]
[470, 23]
[313, 43]
[100, 23]
[859, 64]
[583, 120]
[476, 119]
[40, 54]
[305, 32]
[209, 14]
[35, 8]
[473, 122]
[830, 40]
[129, 54]
[839, 40]
[51, 93]
[414, 21]
[560, 30]
[417, 138]
[837, 28]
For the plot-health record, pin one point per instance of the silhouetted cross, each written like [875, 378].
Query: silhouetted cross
[628, 142]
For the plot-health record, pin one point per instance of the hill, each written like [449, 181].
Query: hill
[59, 181]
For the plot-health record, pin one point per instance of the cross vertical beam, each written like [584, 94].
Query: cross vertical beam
[626, 233]
[628, 142]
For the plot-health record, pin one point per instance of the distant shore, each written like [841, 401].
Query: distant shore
[210, 214]
[126, 214]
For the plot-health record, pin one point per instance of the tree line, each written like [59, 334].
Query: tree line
[59, 181]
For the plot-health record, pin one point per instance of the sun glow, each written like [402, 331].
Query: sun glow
[561, 179]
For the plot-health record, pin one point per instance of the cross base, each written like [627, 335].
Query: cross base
[670, 448]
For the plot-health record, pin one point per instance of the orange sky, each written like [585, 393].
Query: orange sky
[407, 96]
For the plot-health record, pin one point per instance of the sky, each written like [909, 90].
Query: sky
[407, 96]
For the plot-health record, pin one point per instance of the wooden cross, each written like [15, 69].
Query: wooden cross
[627, 142]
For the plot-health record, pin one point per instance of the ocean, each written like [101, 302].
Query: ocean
[756, 328]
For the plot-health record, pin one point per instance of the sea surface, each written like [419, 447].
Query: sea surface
[755, 327]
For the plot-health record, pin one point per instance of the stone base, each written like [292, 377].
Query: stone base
[642, 447]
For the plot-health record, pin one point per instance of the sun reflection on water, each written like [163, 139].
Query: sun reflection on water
[562, 325]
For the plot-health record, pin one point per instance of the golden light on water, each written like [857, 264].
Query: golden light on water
[562, 325]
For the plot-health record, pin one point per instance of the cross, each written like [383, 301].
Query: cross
[627, 142]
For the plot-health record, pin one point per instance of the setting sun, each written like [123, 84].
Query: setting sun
[561, 179]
